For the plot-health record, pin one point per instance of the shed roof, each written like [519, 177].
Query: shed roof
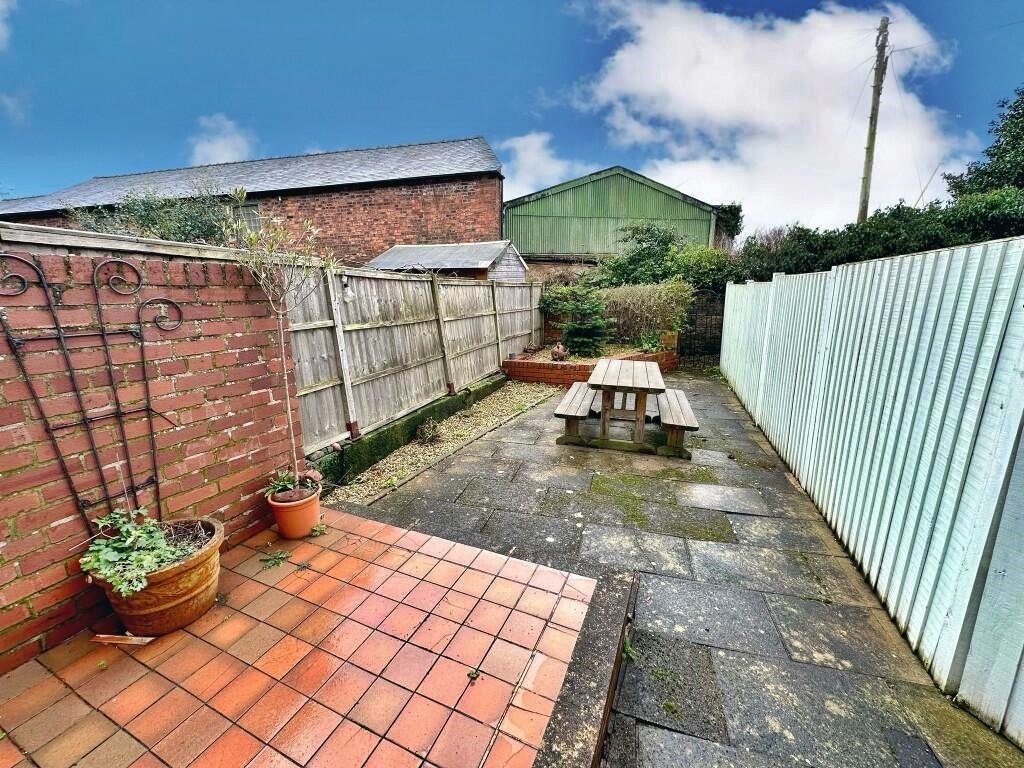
[442, 256]
[613, 171]
[323, 169]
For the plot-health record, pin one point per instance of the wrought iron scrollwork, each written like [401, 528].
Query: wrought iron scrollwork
[124, 279]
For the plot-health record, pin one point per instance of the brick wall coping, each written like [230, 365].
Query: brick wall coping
[11, 232]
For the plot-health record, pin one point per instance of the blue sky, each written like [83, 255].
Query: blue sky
[763, 102]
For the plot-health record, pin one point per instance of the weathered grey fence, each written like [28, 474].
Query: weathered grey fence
[894, 389]
[370, 346]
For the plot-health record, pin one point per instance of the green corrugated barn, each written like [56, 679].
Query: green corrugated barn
[580, 220]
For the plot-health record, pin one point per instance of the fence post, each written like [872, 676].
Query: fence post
[536, 316]
[436, 292]
[759, 413]
[497, 323]
[351, 420]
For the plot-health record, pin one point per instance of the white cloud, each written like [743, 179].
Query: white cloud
[220, 140]
[533, 164]
[6, 7]
[14, 108]
[772, 112]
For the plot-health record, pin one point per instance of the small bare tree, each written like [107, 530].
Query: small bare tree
[289, 266]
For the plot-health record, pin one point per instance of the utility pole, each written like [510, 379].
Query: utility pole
[881, 63]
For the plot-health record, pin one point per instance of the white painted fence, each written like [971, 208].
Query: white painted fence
[894, 389]
[370, 346]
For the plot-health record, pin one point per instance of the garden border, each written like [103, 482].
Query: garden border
[565, 374]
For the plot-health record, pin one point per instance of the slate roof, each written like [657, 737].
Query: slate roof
[324, 169]
[441, 256]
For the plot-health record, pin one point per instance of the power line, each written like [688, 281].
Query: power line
[906, 116]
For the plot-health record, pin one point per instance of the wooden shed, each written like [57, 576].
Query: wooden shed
[495, 260]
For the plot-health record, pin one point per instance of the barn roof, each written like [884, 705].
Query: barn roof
[442, 256]
[323, 169]
[615, 170]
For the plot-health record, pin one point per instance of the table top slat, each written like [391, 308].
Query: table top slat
[641, 378]
[626, 376]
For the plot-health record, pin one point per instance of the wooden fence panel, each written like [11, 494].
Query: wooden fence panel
[516, 307]
[467, 309]
[318, 378]
[370, 346]
[392, 345]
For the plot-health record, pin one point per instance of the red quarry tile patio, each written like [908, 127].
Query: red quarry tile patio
[387, 647]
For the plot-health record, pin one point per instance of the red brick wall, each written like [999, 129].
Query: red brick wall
[565, 374]
[359, 224]
[217, 377]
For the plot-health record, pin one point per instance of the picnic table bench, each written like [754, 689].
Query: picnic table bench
[624, 386]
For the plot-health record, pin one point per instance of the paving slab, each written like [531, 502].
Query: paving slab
[489, 493]
[720, 616]
[807, 713]
[553, 476]
[662, 748]
[534, 537]
[745, 501]
[781, 533]
[637, 550]
[671, 682]
[629, 511]
[845, 637]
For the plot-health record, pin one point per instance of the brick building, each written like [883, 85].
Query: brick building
[363, 201]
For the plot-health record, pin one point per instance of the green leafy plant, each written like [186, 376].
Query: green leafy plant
[129, 546]
[318, 530]
[628, 652]
[643, 258]
[640, 312]
[1003, 165]
[274, 559]
[703, 267]
[285, 480]
[579, 310]
[199, 217]
[649, 341]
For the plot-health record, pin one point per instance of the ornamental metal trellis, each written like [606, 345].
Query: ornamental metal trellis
[123, 279]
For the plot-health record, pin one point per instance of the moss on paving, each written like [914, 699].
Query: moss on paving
[691, 473]
[703, 530]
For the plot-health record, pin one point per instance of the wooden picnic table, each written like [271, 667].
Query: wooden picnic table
[616, 380]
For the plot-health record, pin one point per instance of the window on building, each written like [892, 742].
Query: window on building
[249, 213]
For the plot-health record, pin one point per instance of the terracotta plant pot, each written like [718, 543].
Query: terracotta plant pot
[295, 519]
[176, 594]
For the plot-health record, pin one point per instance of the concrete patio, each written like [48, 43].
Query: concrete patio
[753, 641]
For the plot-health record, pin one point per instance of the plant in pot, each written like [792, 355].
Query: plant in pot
[295, 501]
[289, 267]
[158, 576]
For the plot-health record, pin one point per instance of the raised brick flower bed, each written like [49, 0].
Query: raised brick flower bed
[564, 374]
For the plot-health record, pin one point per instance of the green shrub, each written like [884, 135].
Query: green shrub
[644, 258]
[580, 312]
[200, 218]
[641, 312]
[703, 267]
[891, 231]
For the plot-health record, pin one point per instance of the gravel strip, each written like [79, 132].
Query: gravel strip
[452, 433]
[544, 354]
